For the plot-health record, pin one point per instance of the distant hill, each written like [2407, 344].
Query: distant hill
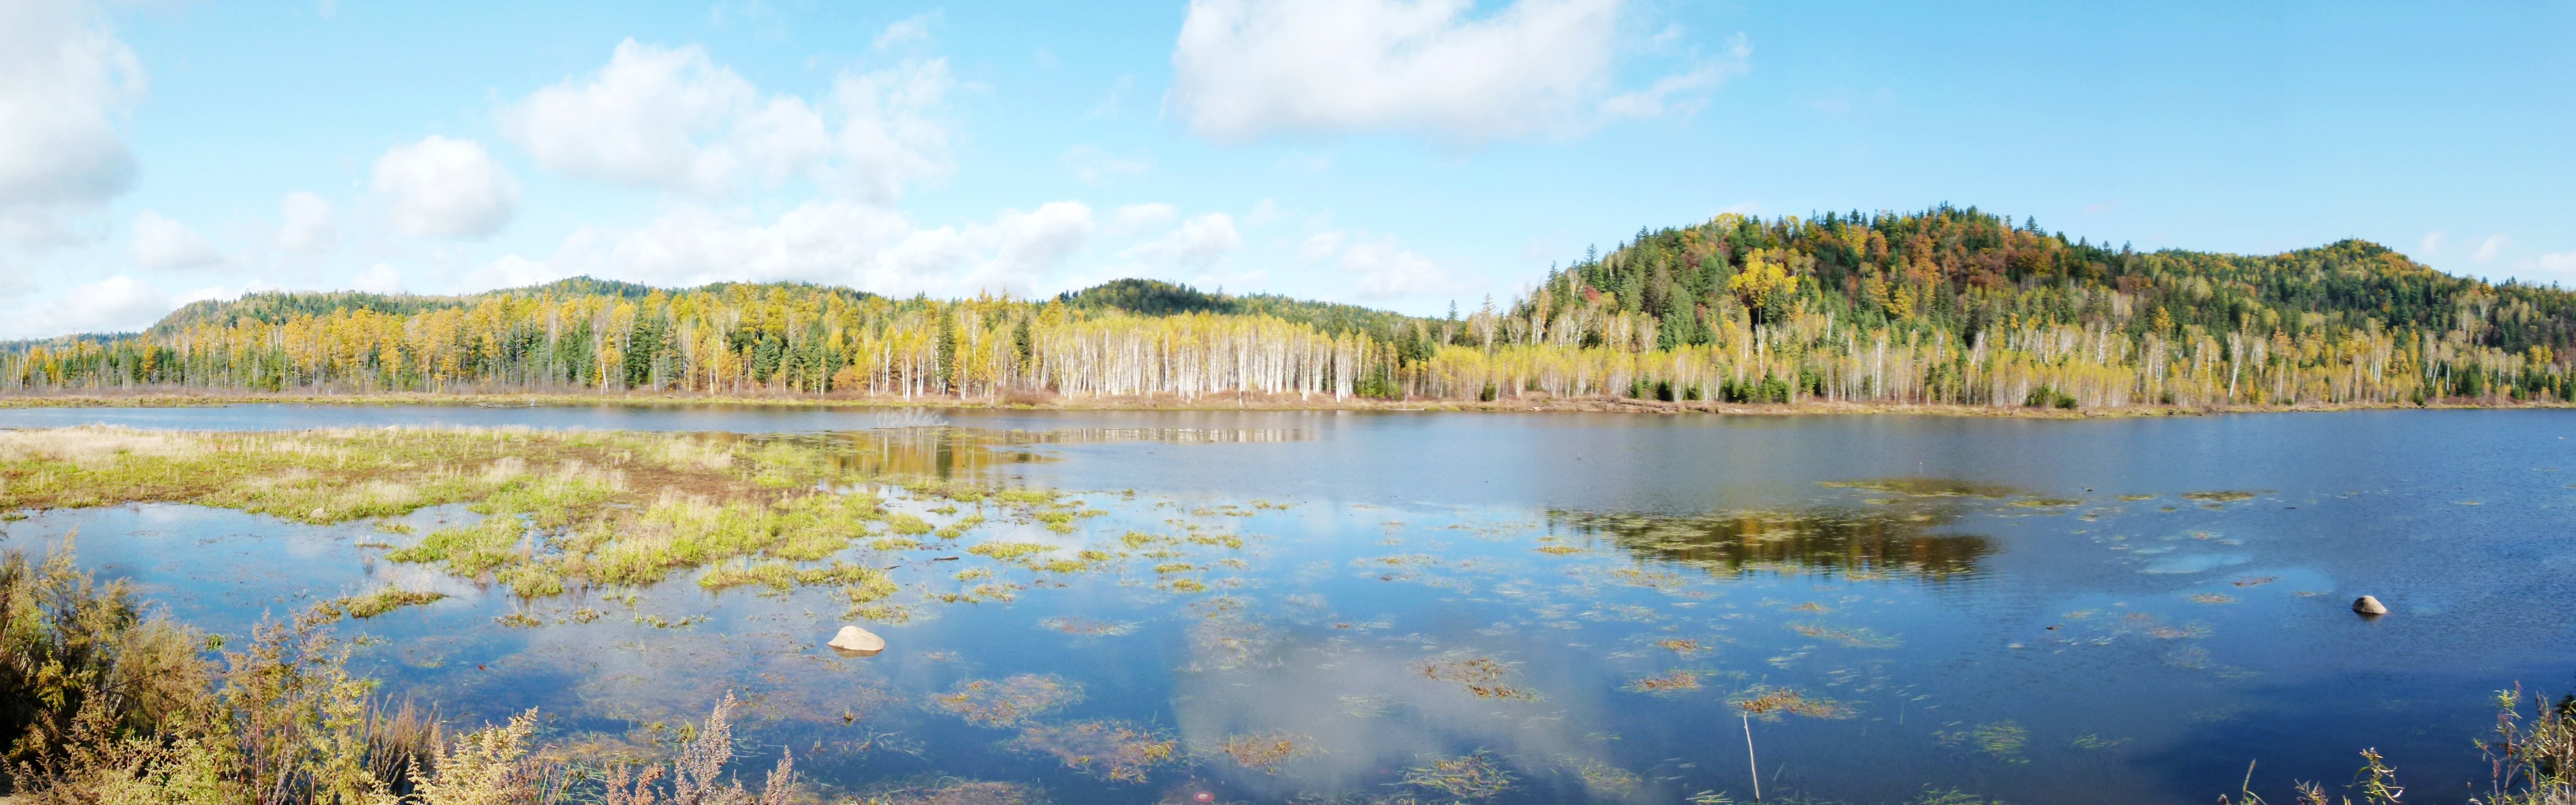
[1943, 306]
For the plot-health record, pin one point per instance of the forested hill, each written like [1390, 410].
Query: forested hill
[1967, 272]
[1944, 306]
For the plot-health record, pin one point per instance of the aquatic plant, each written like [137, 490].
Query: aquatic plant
[388, 599]
[1264, 752]
[1483, 677]
[1114, 750]
[1675, 681]
[1009, 701]
[1472, 776]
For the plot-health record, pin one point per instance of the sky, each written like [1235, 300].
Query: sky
[1401, 154]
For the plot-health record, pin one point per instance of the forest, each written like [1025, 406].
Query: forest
[1946, 306]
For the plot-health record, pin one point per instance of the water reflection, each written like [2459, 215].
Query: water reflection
[1858, 543]
[945, 452]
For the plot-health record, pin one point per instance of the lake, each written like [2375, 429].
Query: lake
[1370, 606]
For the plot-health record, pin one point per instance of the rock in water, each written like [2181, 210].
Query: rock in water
[857, 642]
[2369, 605]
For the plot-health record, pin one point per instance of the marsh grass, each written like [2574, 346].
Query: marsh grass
[1482, 677]
[1266, 752]
[1009, 701]
[1113, 750]
[388, 599]
[1477, 775]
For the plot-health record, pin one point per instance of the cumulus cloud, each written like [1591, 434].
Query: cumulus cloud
[115, 304]
[1385, 269]
[1092, 165]
[1135, 218]
[835, 241]
[307, 224]
[2486, 251]
[1196, 245]
[916, 29]
[440, 187]
[672, 119]
[2432, 243]
[2556, 265]
[639, 121]
[378, 278]
[66, 83]
[1244, 69]
[161, 243]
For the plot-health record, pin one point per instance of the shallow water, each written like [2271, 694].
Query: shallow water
[1908, 570]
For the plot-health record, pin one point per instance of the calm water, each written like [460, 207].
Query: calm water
[1976, 600]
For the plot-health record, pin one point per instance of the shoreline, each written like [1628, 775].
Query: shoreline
[1252, 402]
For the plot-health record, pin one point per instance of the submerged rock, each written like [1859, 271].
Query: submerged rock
[2369, 605]
[857, 642]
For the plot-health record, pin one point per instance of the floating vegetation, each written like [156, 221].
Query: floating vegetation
[1085, 627]
[2002, 739]
[1466, 777]
[1768, 703]
[1851, 542]
[1484, 677]
[2135, 498]
[368, 605]
[519, 620]
[1005, 703]
[1264, 752]
[1607, 780]
[1366, 706]
[1676, 681]
[1641, 577]
[2047, 503]
[1114, 750]
[1681, 645]
[1925, 487]
[2213, 598]
[2221, 496]
[954, 792]
[1854, 636]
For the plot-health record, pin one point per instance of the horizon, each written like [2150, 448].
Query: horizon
[1394, 155]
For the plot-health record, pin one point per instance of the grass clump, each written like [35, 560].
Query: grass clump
[1482, 677]
[1009, 701]
[1472, 776]
[1265, 752]
[1114, 750]
[379, 602]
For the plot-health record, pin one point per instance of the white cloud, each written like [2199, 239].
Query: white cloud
[908, 31]
[1196, 245]
[2487, 249]
[2560, 264]
[1095, 166]
[1134, 218]
[378, 278]
[1388, 270]
[891, 133]
[161, 243]
[446, 188]
[838, 242]
[116, 304]
[1261, 215]
[66, 82]
[638, 121]
[2432, 243]
[1685, 92]
[308, 224]
[672, 119]
[1319, 246]
[1244, 69]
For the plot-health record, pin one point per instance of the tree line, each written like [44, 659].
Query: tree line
[1943, 306]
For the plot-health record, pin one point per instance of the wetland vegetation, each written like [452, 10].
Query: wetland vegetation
[1165, 645]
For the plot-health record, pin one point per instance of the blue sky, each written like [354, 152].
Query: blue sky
[1395, 153]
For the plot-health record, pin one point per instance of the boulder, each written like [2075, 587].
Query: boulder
[2369, 605]
[856, 642]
